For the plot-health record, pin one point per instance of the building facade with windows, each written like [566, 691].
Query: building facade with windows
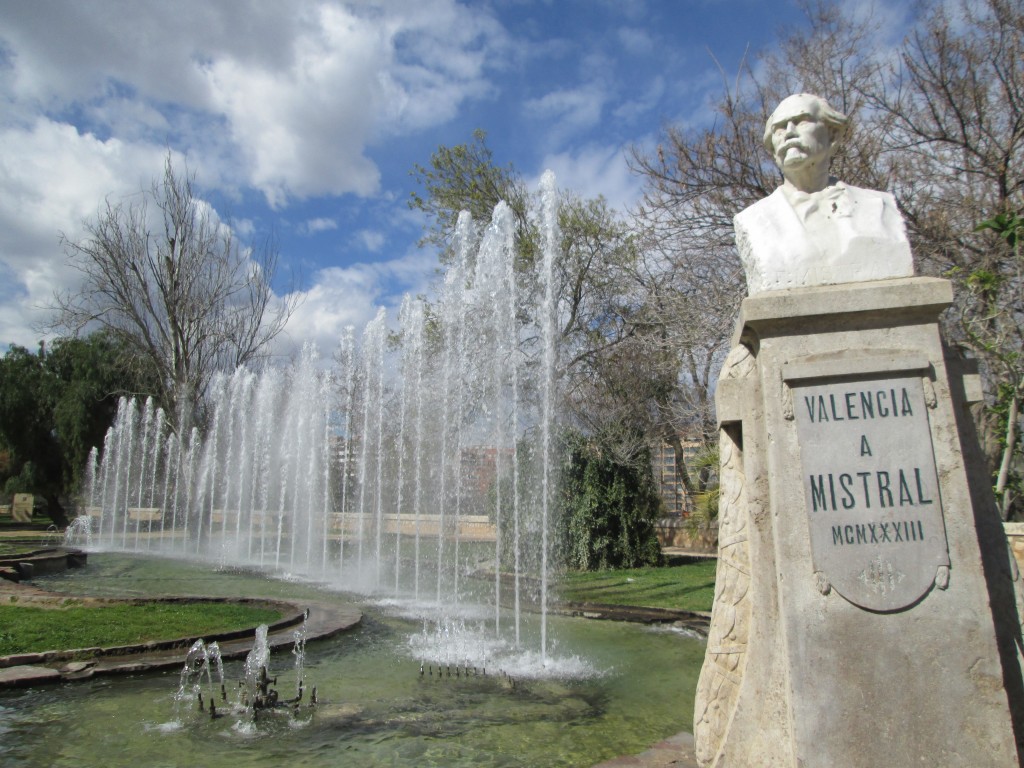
[670, 484]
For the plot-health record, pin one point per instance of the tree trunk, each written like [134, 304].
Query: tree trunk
[682, 474]
[55, 510]
[1002, 495]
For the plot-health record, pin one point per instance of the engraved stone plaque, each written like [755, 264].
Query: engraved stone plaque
[872, 494]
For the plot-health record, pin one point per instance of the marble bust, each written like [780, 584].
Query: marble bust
[813, 229]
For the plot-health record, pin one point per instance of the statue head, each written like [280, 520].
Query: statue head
[801, 134]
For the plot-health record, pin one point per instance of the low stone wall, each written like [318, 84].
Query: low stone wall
[678, 532]
[1015, 538]
[147, 514]
[28, 565]
[471, 527]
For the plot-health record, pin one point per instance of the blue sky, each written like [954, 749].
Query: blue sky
[304, 118]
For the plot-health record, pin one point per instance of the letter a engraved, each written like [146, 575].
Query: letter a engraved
[865, 449]
[905, 404]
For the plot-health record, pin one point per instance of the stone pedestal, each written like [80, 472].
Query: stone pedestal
[865, 609]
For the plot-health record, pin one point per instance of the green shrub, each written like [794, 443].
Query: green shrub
[608, 507]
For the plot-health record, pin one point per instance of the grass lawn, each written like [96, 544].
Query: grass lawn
[25, 629]
[687, 587]
[38, 525]
[10, 548]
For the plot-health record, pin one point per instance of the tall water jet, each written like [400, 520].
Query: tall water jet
[408, 349]
[460, 358]
[379, 476]
[373, 346]
[347, 360]
[549, 329]
[416, 341]
[422, 459]
[450, 313]
[496, 295]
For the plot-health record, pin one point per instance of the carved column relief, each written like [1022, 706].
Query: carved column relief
[720, 678]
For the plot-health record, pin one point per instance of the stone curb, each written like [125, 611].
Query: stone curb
[40, 562]
[323, 621]
[699, 621]
[674, 752]
[291, 616]
[27, 675]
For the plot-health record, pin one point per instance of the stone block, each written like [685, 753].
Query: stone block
[1015, 539]
[25, 676]
[147, 514]
[21, 508]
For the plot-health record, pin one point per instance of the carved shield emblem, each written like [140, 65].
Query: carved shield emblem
[871, 489]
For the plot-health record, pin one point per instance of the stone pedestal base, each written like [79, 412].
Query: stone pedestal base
[864, 611]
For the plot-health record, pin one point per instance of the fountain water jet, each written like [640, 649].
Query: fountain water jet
[449, 426]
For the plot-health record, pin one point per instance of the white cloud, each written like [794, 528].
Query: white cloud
[643, 101]
[371, 239]
[321, 224]
[243, 227]
[299, 127]
[441, 51]
[570, 110]
[281, 97]
[289, 95]
[343, 296]
[596, 170]
[51, 179]
[635, 40]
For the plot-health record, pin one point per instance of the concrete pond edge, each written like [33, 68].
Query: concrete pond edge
[322, 620]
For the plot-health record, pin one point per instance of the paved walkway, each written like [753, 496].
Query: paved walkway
[676, 751]
[9, 589]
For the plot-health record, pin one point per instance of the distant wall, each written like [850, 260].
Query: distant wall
[1015, 537]
[471, 527]
[677, 532]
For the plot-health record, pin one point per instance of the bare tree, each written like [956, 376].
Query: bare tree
[187, 297]
[939, 121]
[690, 271]
[941, 124]
[954, 103]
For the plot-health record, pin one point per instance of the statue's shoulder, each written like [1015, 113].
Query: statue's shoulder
[878, 209]
[870, 194]
[764, 210]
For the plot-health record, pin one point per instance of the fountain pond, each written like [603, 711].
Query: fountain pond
[609, 689]
[417, 475]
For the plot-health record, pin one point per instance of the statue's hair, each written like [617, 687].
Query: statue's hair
[837, 122]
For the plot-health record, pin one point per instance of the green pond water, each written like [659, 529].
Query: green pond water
[622, 688]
